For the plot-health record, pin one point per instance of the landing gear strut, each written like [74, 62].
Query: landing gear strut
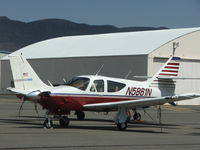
[121, 119]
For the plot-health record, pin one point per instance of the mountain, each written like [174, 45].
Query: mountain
[16, 34]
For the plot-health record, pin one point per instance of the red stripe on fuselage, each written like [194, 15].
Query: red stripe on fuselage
[59, 104]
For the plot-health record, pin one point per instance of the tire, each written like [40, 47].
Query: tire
[137, 116]
[48, 124]
[80, 115]
[64, 122]
[122, 126]
[128, 119]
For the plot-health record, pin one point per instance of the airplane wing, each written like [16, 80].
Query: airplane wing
[142, 102]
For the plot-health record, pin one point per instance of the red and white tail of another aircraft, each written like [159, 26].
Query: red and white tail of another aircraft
[97, 93]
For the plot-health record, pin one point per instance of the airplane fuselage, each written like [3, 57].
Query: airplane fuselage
[71, 97]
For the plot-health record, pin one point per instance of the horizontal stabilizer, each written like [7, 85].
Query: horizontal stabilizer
[18, 91]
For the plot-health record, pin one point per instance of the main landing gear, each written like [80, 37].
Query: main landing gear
[63, 120]
[123, 117]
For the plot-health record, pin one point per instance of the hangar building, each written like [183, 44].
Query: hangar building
[142, 53]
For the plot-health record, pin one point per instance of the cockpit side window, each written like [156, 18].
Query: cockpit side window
[97, 86]
[79, 82]
[115, 86]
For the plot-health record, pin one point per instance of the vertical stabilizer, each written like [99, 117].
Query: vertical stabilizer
[24, 76]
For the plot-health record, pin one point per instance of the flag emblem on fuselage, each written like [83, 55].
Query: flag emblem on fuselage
[25, 74]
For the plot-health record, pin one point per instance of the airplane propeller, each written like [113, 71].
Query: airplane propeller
[21, 106]
[35, 101]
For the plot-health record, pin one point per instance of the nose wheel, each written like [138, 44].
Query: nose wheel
[63, 121]
[80, 115]
[48, 123]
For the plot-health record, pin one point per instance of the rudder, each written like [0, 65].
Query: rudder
[164, 77]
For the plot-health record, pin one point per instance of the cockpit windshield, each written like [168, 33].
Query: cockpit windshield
[79, 82]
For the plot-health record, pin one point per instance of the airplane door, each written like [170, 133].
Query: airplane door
[97, 86]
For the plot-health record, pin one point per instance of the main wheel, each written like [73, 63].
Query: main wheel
[122, 126]
[80, 115]
[64, 121]
[137, 116]
[48, 123]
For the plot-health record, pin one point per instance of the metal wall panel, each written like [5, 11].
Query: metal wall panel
[57, 69]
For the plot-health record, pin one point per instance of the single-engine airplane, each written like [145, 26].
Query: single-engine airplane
[96, 93]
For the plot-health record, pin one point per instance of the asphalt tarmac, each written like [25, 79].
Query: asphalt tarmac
[180, 129]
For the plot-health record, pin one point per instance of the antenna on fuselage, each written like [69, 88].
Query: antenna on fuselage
[99, 70]
[65, 81]
[128, 74]
[50, 83]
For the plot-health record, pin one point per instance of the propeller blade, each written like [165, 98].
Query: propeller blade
[35, 106]
[36, 110]
[21, 106]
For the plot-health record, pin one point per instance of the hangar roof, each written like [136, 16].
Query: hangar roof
[113, 44]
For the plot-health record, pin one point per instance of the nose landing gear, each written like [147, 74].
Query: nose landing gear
[80, 115]
[63, 120]
[48, 123]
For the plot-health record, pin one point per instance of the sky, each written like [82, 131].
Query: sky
[120, 13]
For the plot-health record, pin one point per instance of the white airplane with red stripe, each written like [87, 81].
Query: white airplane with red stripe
[97, 93]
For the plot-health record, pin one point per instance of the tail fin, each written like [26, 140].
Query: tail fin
[23, 75]
[164, 77]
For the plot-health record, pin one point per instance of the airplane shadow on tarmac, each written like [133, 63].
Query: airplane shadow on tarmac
[144, 126]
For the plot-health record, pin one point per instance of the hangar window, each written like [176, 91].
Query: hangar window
[97, 86]
[79, 82]
[115, 86]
